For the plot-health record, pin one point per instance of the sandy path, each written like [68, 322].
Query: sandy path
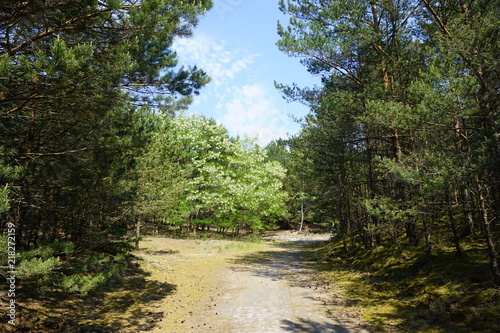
[272, 291]
[206, 286]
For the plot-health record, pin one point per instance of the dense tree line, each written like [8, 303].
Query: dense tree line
[78, 80]
[196, 175]
[402, 141]
[92, 146]
[401, 146]
[73, 75]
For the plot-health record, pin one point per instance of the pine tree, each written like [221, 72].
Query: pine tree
[403, 128]
[73, 78]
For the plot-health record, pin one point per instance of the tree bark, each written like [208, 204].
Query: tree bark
[301, 216]
[453, 227]
[487, 232]
[137, 231]
[428, 239]
[467, 212]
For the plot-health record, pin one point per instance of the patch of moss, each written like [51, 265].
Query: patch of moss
[408, 291]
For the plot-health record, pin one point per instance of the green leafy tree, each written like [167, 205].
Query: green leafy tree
[230, 183]
[298, 183]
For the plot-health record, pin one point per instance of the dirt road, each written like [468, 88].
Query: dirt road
[226, 287]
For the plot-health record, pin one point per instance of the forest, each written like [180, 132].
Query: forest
[399, 156]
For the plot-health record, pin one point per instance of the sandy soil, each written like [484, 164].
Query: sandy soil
[226, 287]
[203, 286]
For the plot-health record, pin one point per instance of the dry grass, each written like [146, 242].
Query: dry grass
[194, 267]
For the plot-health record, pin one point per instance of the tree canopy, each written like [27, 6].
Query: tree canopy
[78, 82]
[403, 131]
[221, 181]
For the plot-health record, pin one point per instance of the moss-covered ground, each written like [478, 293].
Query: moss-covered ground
[399, 290]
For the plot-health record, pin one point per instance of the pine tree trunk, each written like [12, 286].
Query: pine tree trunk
[467, 211]
[428, 239]
[412, 232]
[453, 227]
[487, 233]
[398, 152]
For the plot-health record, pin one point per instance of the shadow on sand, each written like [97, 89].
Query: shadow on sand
[302, 325]
[121, 304]
[292, 261]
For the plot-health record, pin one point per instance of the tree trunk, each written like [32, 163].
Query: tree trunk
[453, 227]
[301, 216]
[467, 212]
[138, 231]
[412, 232]
[398, 152]
[487, 233]
[428, 240]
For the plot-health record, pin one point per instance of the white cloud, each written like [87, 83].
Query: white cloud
[251, 111]
[233, 98]
[214, 57]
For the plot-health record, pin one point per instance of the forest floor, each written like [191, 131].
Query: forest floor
[243, 287]
[216, 286]
[283, 282]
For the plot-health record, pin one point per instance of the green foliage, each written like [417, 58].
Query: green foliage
[78, 81]
[71, 79]
[402, 141]
[4, 199]
[4, 253]
[161, 179]
[94, 271]
[40, 262]
[55, 248]
[297, 184]
[57, 265]
[195, 172]
[37, 267]
[386, 209]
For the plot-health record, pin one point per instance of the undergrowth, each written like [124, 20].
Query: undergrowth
[404, 290]
[63, 267]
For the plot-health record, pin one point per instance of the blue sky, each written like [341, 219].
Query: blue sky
[235, 44]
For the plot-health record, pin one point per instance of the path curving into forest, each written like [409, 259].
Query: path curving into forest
[246, 288]
[272, 291]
